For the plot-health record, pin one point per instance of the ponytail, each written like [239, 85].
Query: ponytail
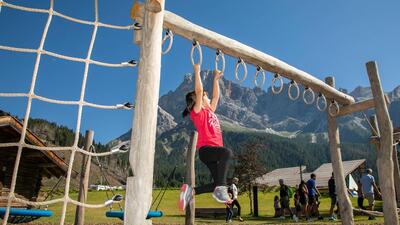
[185, 112]
[190, 102]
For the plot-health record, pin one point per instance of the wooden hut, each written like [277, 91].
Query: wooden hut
[34, 165]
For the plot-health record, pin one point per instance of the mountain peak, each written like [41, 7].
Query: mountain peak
[361, 93]
[395, 94]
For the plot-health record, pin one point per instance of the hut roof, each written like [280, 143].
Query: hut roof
[10, 131]
[291, 175]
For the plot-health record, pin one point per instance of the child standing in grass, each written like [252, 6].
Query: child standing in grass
[229, 210]
[276, 207]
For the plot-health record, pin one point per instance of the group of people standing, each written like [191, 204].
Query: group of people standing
[306, 200]
[306, 197]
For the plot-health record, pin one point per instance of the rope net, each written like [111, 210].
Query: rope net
[30, 96]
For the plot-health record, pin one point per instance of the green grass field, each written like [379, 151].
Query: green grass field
[173, 216]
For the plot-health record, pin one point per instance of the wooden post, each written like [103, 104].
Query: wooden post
[191, 178]
[374, 124]
[396, 174]
[84, 179]
[346, 209]
[301, 172]
[375, 132]
[255, 200]
[384, 154]
[141, 157]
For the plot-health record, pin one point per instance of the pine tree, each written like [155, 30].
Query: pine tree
[248, 168]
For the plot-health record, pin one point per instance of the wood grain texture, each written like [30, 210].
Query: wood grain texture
[346, 209]
[384, 154]
[191, 178]
[143, 138]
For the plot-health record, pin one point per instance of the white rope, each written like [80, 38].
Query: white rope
[81, 103]
[62, 102]
[80, 109]
[219, 55]
[305, 99]
[333, 108]
[259, 71]
[27, 113]
[14, 95]
[53, 149]
[65, 57]
[321, 97]
[276, 78]
[296, 86]
[238, 63]
[55, 13]
[168, 35]
[196, 45]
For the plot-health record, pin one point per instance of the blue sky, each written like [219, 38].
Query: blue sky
[320, 37]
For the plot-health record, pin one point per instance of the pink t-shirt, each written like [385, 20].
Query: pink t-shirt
[208, 127]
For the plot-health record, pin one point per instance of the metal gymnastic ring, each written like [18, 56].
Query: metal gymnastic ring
[168, 35]
[321, 96]
[258, 71]
[337, 110]
[196, 45]
[220, 55]
[240, 62]
[291, 85]
[306, 90]
[276, 78]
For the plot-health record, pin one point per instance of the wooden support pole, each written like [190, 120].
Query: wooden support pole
[359, 106]
[375, 140]
[191, 178]
[255, 200]
[228, 46]
[396, 174]
[84, 179]
[141, 157]
[384, 154]
[346, 209]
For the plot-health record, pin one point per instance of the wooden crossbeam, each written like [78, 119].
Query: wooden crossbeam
[359, 106]
[375, 139]
[228, 46]
[356, 107]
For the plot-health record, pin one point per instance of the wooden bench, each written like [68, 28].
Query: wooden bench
[213, 212]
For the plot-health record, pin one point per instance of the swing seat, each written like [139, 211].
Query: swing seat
[24, 215]
[120, 214]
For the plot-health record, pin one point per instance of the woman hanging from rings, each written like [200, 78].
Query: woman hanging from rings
[209, 144]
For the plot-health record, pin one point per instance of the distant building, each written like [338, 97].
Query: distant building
[34, 164]
[292, 175]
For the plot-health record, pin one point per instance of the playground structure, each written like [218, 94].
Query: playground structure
[150, 19]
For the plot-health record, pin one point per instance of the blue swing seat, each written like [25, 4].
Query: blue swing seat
[120, 214]
[18, 215]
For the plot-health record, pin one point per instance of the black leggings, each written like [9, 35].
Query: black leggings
[236, 203]
[217, 160]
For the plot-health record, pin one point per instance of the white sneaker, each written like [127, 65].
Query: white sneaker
[185, 196]
[295, 218]
[220, 194]
[282, 217]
